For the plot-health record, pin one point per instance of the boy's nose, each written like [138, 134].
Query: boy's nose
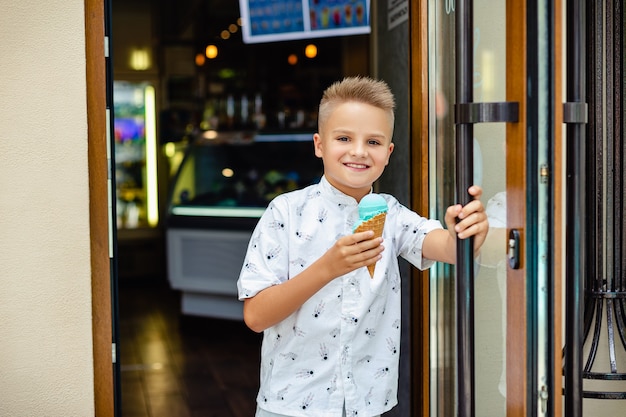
[359, 150]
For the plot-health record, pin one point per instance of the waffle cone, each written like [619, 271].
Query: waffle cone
[376, 223]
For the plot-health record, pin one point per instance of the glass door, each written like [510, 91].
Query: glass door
[489, 85]
[509, 111]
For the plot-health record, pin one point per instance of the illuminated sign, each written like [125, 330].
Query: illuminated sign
[272, 20]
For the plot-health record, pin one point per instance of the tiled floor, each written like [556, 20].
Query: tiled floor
[180, 366]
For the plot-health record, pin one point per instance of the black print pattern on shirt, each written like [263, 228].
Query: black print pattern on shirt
[345, 339]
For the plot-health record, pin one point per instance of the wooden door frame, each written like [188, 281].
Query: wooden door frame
[420, 288]
[98, 209]
[420, 342]
[517, 326]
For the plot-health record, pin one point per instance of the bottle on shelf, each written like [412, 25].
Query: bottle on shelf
[259, 116]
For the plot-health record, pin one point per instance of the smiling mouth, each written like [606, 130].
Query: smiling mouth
[356, 166]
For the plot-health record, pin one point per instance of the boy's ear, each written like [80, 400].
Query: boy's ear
[391, 147]
[317, 144]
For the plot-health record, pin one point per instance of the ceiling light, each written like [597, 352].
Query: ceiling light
[310, 51]
[139, 59]
[211, 51]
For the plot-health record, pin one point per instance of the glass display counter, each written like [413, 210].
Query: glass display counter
[222, 187]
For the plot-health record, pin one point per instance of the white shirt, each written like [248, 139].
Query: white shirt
[342, 345]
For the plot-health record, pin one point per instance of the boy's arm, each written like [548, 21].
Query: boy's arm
[440, 245]
[275, 303]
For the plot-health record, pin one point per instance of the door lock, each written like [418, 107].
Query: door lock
[513, 250]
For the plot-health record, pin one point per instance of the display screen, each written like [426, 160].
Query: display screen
[271, 21]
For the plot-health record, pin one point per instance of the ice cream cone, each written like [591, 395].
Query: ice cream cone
[376, 223]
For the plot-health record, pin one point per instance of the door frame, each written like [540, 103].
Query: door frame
[517, 321]
[520, 348]
[98, 208]
[558, 229]
[516, 344]
[419, 282]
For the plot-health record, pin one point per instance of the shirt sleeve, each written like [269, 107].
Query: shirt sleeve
[411, 229]
[267, 260]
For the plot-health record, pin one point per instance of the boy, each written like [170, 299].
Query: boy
[331, 333]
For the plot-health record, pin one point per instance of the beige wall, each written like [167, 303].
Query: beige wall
[46, 365]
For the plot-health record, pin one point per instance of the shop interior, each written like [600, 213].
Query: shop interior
[208, 129]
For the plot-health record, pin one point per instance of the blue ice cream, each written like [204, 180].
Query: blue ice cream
[371, 205]
[372, 214]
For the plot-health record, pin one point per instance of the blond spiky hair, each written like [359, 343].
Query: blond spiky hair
[360, 89]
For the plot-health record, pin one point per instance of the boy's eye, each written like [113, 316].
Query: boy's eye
[343, 138]
[373, 142]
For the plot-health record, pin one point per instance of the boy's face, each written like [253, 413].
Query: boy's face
[355, 146]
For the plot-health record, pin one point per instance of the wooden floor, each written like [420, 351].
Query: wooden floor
[180, 366]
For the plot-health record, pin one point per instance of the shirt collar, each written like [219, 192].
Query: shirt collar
[333, 194]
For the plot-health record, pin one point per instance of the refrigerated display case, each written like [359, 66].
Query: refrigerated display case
[222, 187]
[135, 154]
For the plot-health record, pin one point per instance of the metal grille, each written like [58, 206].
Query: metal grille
[605, 283]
